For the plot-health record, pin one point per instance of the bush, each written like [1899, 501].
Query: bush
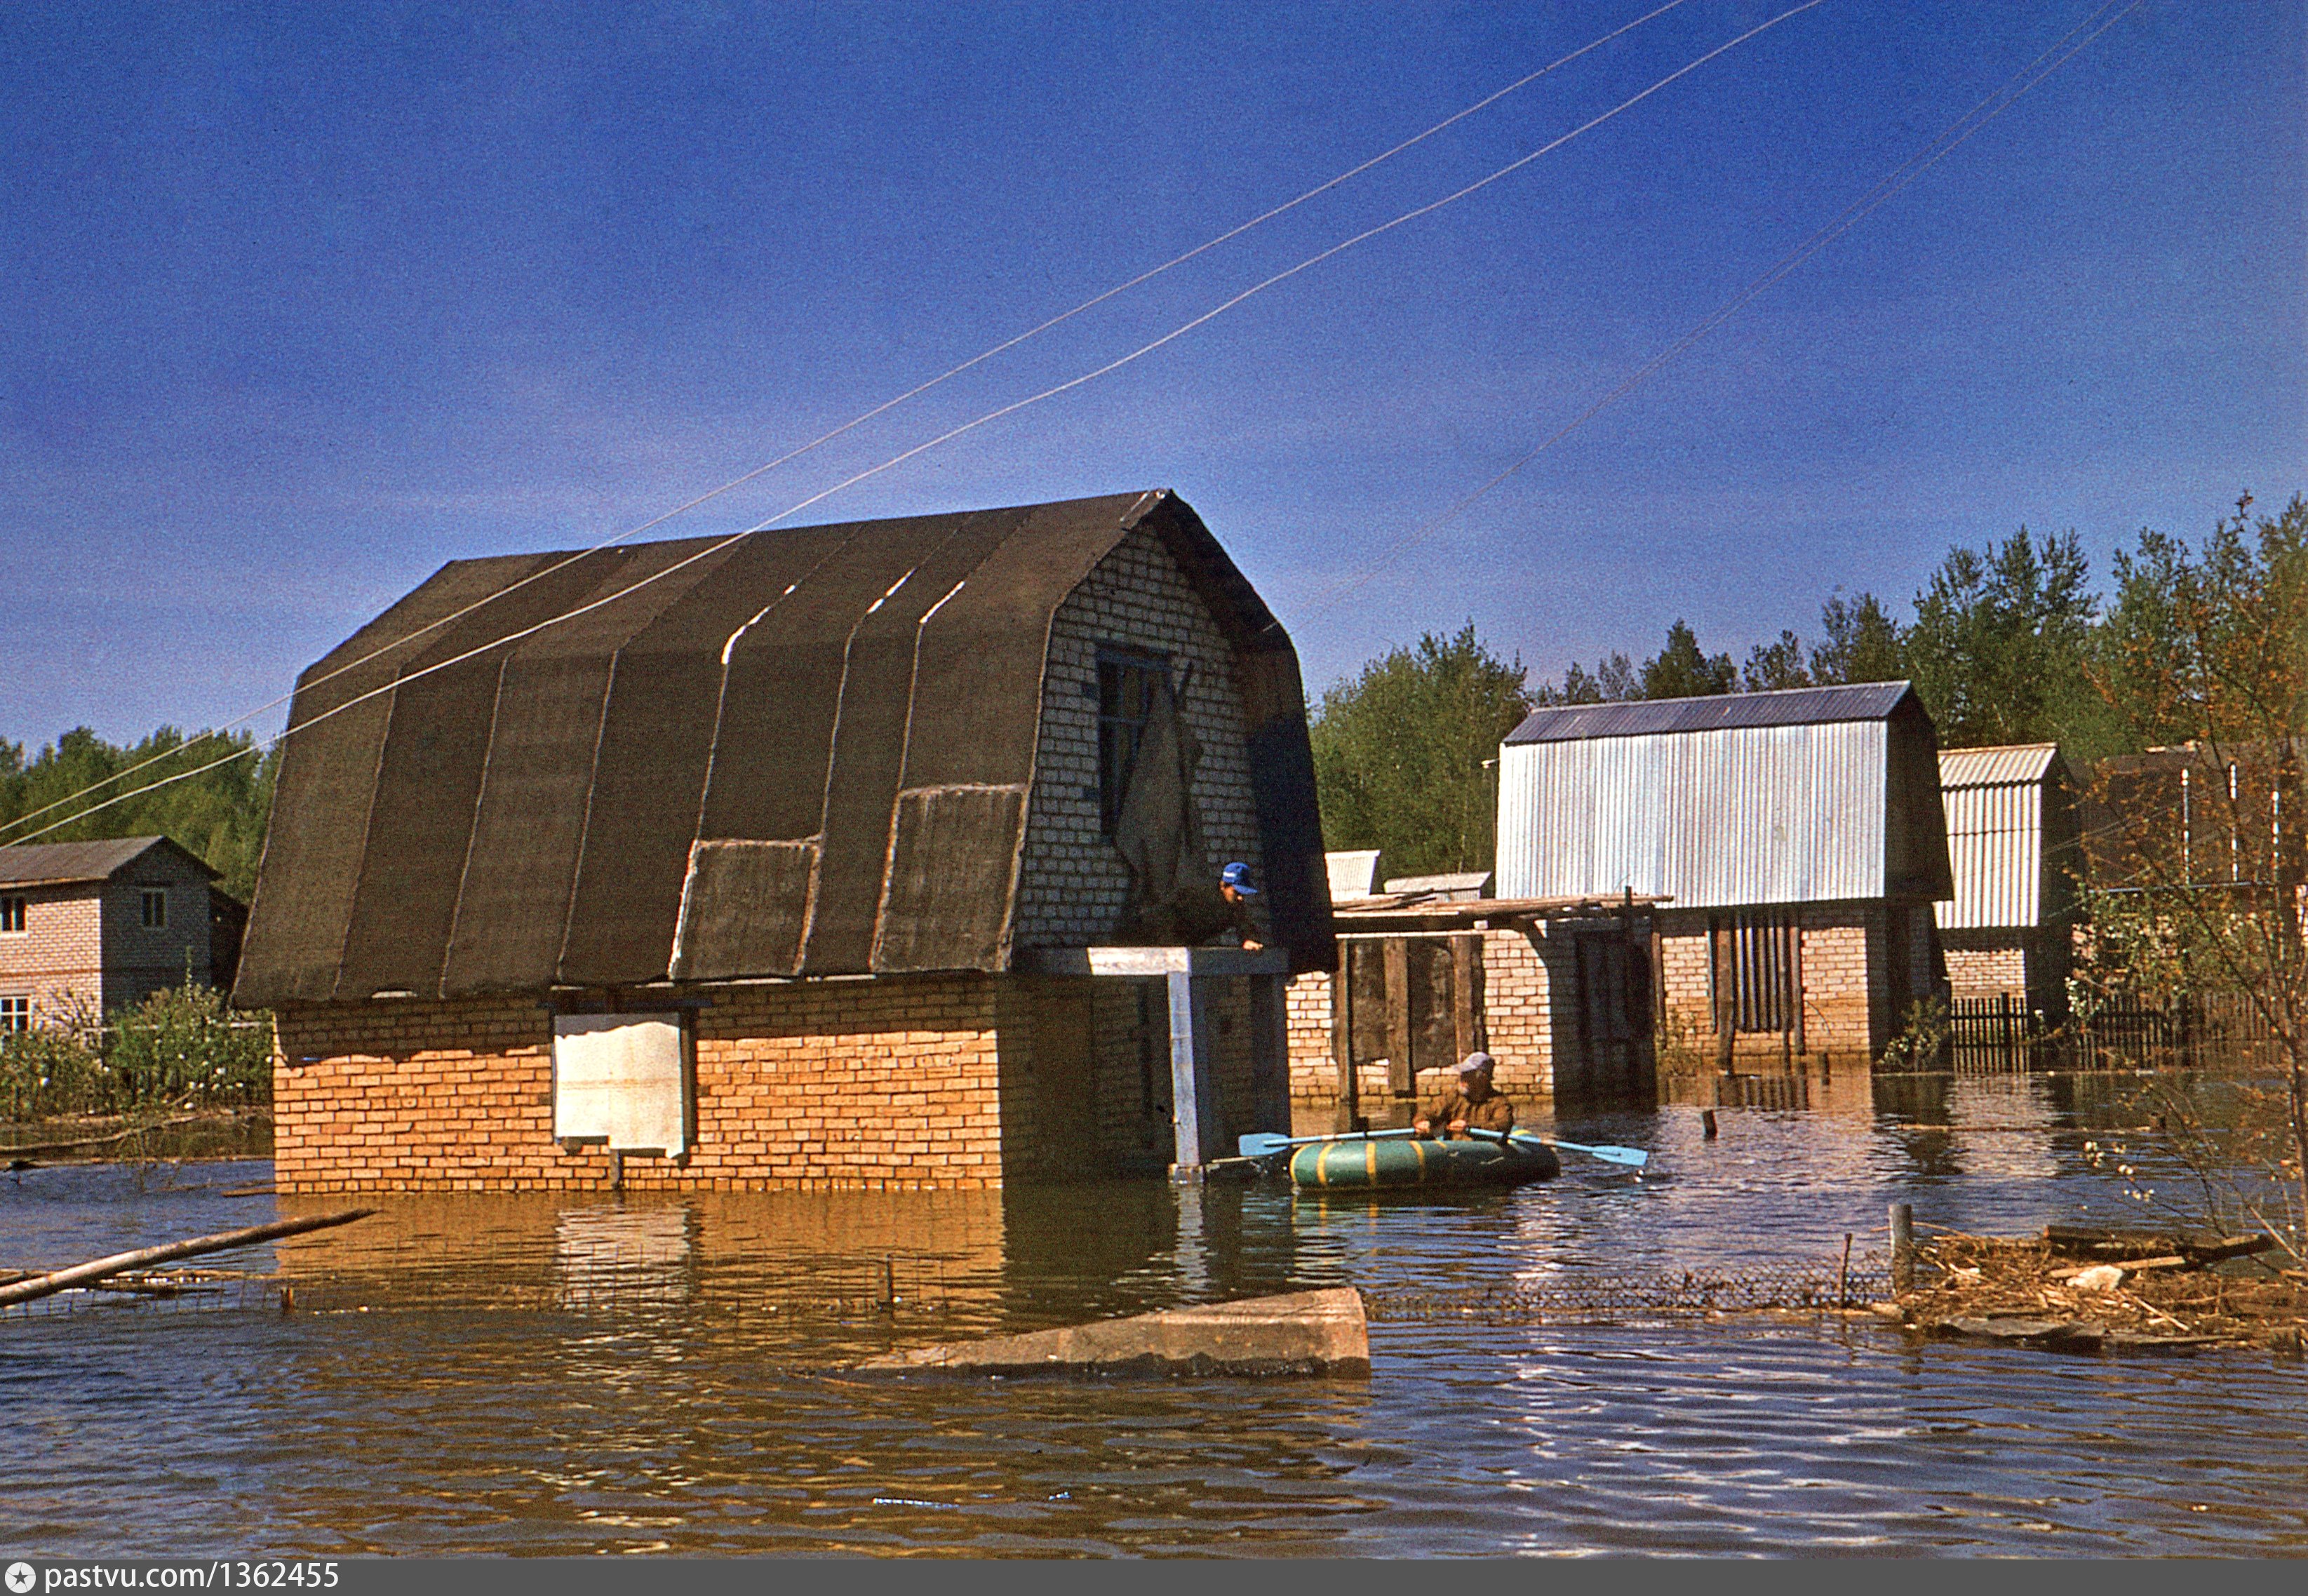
[46, 1072]
[179, 1049]
[182, 1046]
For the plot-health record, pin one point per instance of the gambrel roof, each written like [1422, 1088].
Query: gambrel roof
[805, 752]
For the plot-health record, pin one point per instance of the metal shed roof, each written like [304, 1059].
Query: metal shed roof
[56, 864]
[807, 753]
[1794, 706]
[1996, 767]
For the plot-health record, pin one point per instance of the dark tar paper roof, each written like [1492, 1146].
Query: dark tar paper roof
[806, 753]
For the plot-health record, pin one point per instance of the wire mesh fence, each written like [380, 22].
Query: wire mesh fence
[1579, 1295]
[604, 1281]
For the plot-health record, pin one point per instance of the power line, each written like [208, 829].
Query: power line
[1885, 188]
[865, 416]
[719, 545]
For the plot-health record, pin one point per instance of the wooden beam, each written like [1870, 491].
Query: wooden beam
[1403, 1075]
[1342, 1040]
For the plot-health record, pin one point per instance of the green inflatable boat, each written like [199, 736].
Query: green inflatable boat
[1409, 1164]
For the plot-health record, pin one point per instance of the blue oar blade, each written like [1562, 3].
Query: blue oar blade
[1635, 1158]
[1261, 1143]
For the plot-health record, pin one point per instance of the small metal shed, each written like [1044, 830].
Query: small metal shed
[1812, 795]
[2012, 837]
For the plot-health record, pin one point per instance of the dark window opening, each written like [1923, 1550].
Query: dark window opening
[1127, 685]
[155, 907]
[1760, 968]
[11, 914]
[15, 1013]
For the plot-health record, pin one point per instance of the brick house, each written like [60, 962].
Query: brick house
[2013, 846]
[90, 928]
[1797, 840]
[880, 854]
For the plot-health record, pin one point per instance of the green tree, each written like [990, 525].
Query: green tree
[1404, 753]
[1682, 670]
[2209, 649]
[1772, 666]
[1864, 643]
[1999, 643]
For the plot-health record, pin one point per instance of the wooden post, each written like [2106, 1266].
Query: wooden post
[1903, 1247]
[1466, 1013]
[1795, 979]
[1727, 993]
[1193, 1075]
[1402, 1070]
[1658, 978]
[1342, 1039]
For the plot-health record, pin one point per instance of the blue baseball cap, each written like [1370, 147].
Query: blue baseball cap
[1237, 876]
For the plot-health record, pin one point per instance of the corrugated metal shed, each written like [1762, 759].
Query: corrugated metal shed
[56, 864]
[2000, 803]
[806, 754]
[1816, 795]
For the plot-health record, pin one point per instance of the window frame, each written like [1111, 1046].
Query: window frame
[148, 898]
[15, 1013]
[15, 914]
[1119, 730]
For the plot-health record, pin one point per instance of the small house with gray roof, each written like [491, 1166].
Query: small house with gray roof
[90, 928]
[879, 854]
[1795, 843]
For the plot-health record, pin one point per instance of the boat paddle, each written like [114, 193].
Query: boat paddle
[1264, 1144]
[1634, 1157]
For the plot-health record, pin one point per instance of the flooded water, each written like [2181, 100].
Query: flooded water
[546, 1375]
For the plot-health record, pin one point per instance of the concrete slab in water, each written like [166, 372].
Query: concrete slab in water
[1301, 1332]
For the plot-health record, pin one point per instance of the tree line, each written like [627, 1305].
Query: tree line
[2010, 642]
[219, 814]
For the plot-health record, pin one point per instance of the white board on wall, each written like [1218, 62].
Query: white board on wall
[622, 1080]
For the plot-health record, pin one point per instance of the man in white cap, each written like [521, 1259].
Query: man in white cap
[1469, 1102]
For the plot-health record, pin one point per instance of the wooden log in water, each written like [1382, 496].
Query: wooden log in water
[2115, 1247]
[95, 1269]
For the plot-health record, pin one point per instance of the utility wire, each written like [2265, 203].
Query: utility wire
[865, 416]
[1890, 184]
[1112, 366]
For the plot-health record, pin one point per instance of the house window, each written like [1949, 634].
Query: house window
[1754, 969]
[12, 916]
[155, 900]
[15, 1013]
[624, 1082]
[1127, 685]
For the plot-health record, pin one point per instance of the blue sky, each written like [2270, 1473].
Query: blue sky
[301, 301]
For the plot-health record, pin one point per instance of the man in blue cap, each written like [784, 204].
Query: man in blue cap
[1234, 886]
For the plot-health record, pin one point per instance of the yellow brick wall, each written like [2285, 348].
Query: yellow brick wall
[1846, 991]
[892, 1083]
